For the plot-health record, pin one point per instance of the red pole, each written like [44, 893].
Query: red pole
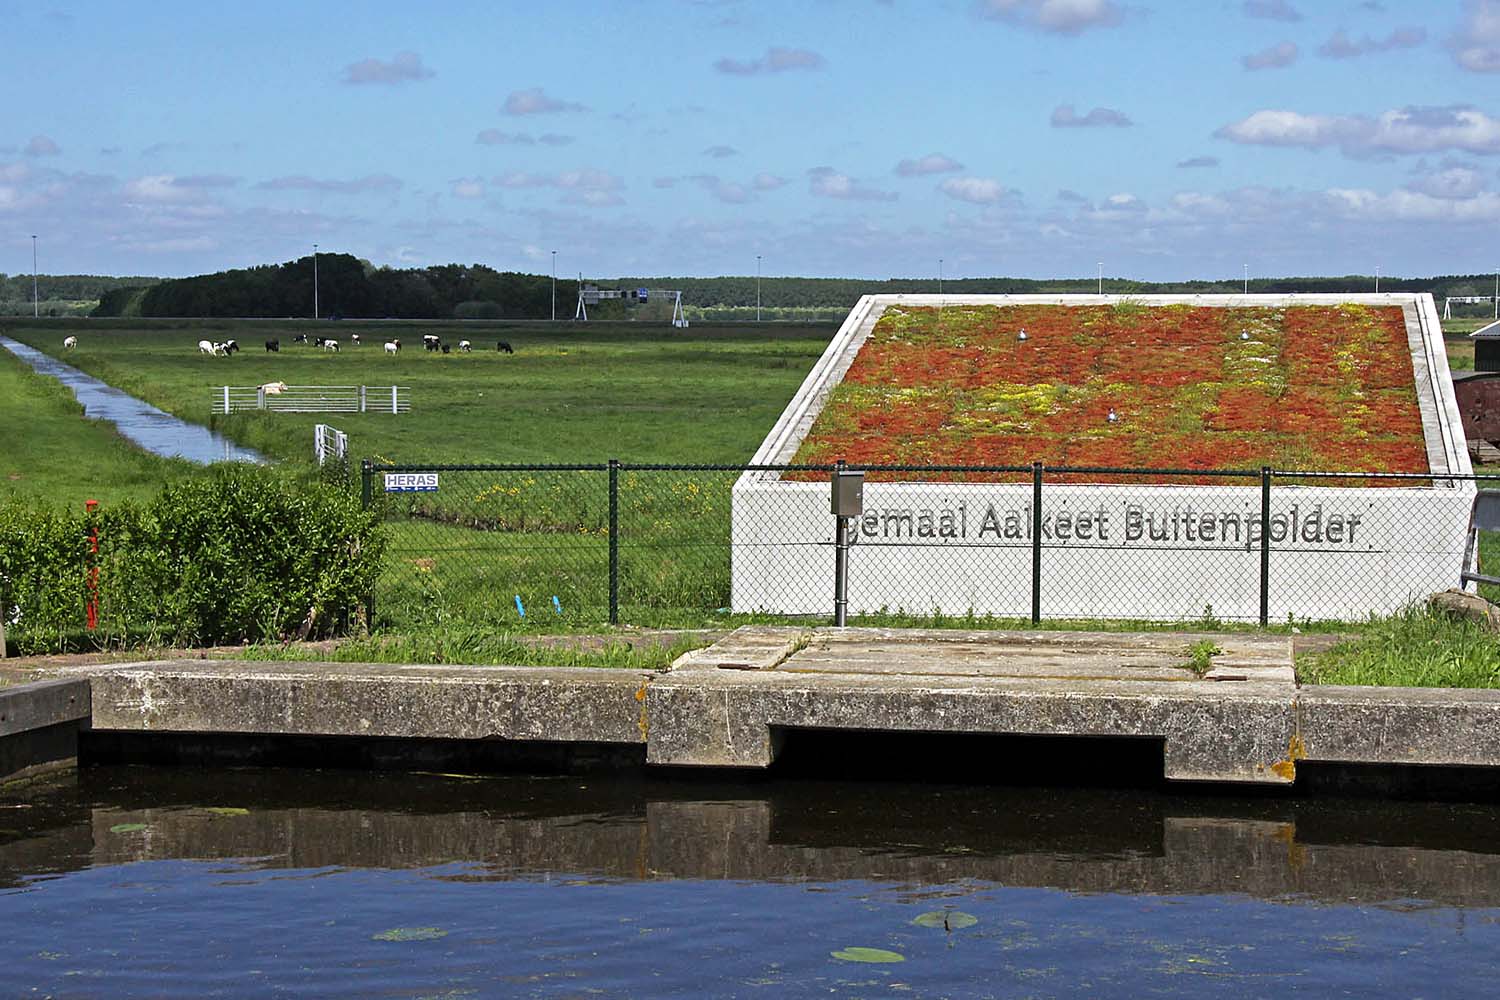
[92, 506]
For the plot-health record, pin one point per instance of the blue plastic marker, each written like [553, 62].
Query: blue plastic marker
[557, 605]
[520, 608]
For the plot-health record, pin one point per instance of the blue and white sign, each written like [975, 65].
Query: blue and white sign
[411, 482]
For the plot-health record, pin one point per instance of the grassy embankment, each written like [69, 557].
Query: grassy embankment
[52, 454]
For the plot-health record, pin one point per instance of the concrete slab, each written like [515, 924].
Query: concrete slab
[39, 725]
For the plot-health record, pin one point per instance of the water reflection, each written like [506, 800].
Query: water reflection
[505, 827]
[154, 430]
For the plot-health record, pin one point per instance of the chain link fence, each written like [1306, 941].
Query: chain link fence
[657, 545]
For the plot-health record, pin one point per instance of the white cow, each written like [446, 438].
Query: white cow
[70, 342]
[392, 346]
[465, 346]
[273, 388]
[206, 347]
[330, 345]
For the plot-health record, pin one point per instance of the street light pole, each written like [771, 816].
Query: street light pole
[1377, 279]
[1247, 279]
[940, 277]
[1101, 277]
[757, 288]
[315, 281]
[554, 286]
[36, 303]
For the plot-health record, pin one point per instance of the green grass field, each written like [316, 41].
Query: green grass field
[568, 394]
[52, 454]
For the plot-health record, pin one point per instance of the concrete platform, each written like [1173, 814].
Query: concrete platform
[731, 704]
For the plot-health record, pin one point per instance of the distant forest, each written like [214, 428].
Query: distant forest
[353, 288]
[58, 294]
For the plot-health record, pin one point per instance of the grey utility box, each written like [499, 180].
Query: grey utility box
[848, 493]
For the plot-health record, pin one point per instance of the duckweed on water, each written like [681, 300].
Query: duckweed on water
[868, 955]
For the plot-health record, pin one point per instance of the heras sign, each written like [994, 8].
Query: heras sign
[411, 482]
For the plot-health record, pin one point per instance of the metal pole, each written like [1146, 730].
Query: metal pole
[1377, 279]
[614, 541]
[1265, 544]
[366, 499]
[1101, 277]
[757, 287]
[36, 303]
[315, 281]
[1497, 294]
[840, 564]
[1036, 543]
[554, 286]
[940, 277]
[1247, 279]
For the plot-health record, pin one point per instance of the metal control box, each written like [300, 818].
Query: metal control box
[848, 494]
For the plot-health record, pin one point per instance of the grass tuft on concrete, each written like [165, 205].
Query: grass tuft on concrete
[485, 647]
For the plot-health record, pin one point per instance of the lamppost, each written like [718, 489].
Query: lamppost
[315, 281]
[36, 303]
[1377, 279]
[757, 288]
[940, 277]
[1497, 293]
[554, 286]
[1247, 279]
[1101, 277]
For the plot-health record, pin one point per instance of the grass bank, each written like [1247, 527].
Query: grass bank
[53, 454]
[1415, 648]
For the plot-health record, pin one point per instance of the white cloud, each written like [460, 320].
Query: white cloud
[977, 190]
[404, 68]
[1476, 43]
[1448, 180]
[1404, 130]
[825, 182]
[1276, 57]
[534, 101]
[1271, 10]
[41, 145]
[169, 188]
[776, 60]
[1341, 46]
[468, 188]
[1063, 116]
[1063, 17]
[584, 186]
[932, 163]
[767, 182]
[730, 192]
[360, 185]
[1412, 206]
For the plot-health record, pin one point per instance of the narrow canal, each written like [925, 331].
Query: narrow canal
[119, 881]
[152, 429]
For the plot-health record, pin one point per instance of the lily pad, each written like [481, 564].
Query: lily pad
[868, 955]
[410, 934]
[227, 811]
[127, 828]
[953, 920]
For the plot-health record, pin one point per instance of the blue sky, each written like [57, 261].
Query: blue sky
[833, 137]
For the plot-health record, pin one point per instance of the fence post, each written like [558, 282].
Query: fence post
[1036, 543]
[614, 541]
[366, 499]
[226, 399]
[394, 408]
[361, 399]
[1265, 545]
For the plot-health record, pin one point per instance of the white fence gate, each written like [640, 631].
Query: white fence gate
[329, 443]
[279, 397]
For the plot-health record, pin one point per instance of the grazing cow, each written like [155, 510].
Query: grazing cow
[392, 346]
[503, 346]
[431, 342]
[273, 346]
[231, 346]
[321, 341]
[330, 345]
[207, 347]
[70, 342]
[301, 338]
[273, 388]
[355, 338]
[465, 346]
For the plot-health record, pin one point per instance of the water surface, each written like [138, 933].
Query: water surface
[154, 430]
[185, 883]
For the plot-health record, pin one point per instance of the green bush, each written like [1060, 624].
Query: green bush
[242, 555]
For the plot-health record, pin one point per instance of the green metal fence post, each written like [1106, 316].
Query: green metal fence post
[614, 541]
[1265, 544]
[367, 499]
[1036, 543]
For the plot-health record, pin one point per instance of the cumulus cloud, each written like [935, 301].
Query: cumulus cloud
[1198, 161]
[1405, 130]
[977, 190]
[404, 68]
[371, 183]
[730, 192]
[1063, 17]
[1476, 44]
[534, 101]
[826, 182]
[721, 152]
[1271, 10]
[41, 145]
[767, 182]
[1341, 46]
[932, 163]
[468, 188]
[776, 60]
[167, 188]
[1275, 57]
[1448, 179]
[585, 186]
[1063, 116]
[1404, 205]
